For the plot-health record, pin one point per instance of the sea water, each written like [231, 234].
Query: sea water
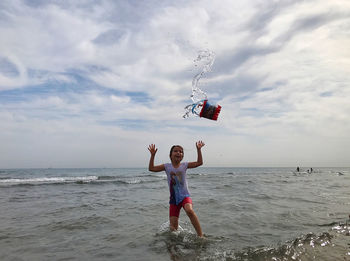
[122, 214]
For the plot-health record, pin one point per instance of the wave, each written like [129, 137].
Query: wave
[106, 177]
[8, 181]
[330, 245]
[46, 180]
[184, 245]
[162, 176]
[1, 178]
[131, 181]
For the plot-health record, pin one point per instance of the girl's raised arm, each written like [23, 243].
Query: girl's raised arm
[199, 161]
[153, 150]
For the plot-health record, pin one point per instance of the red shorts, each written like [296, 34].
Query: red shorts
[174, 210]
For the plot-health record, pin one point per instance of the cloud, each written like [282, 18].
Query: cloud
[112, 75]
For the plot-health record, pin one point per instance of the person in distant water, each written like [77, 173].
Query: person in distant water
[177, 182]
[311, 170]
[298, 169]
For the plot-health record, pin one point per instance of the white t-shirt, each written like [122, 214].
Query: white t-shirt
[177, 182]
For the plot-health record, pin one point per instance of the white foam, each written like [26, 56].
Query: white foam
[134, 181]
[165, 227]
[49, 180]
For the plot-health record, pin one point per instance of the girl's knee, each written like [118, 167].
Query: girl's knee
[190, 212]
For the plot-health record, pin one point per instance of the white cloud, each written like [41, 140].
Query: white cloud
[111, 75]
[50, 38]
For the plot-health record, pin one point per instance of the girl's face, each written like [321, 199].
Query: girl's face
[177, 154]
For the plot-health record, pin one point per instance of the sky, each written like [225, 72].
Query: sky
[91, 83]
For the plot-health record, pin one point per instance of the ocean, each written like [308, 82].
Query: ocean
[122, 214]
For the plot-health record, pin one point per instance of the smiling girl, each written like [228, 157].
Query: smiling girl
[177, 182]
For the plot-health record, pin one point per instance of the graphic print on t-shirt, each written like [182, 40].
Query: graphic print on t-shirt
[176, 180]
[177, 175]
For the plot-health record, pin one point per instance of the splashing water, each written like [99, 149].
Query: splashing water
[205, 59]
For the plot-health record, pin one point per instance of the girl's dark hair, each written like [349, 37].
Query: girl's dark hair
[173, 147]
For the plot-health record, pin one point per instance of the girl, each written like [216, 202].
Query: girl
[176, 174]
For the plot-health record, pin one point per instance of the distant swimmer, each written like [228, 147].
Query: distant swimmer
[298, 169]
[177, 182]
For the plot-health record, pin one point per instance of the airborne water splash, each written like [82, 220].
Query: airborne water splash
[205, 59]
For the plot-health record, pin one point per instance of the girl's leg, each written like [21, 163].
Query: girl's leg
[194, 219]
[174, 212]
[174, 223]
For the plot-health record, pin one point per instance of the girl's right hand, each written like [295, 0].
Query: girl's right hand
[199, 144]
[152, 149]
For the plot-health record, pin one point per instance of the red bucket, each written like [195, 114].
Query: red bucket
[209, 111]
